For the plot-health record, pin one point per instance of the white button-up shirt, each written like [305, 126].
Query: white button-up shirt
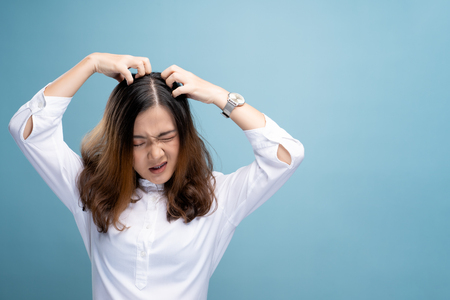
[154, 259]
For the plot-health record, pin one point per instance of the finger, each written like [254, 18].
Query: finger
[147, 65]
[173, 68]
[127, 74]
[180, 90]
[140, 69]
[166, 73]
[119, 77]
[175, 77]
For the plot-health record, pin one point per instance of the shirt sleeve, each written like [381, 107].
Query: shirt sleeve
[243, 191]
[46, 150]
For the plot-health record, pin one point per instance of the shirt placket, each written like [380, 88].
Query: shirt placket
[144, 243]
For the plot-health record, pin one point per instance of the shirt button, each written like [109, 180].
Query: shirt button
[148, 226]
[143, 253]
[40, 105]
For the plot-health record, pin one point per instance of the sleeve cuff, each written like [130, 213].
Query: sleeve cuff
[48, 105]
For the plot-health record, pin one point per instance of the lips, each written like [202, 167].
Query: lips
[158, 168]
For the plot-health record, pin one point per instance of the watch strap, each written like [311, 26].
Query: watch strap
[228, 109]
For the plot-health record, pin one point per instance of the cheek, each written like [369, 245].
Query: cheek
[136, 159]
[175, 149]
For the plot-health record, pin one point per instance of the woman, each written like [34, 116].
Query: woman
[154, 217]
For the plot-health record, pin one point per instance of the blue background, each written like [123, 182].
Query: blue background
[364, 85]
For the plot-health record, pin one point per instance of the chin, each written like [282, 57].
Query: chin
[158, 181]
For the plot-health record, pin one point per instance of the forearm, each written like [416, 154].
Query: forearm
[245, 116]
[66, 85]
[248, 118]
[69, 83]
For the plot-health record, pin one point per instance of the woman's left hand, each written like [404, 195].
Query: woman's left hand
[246, 117]
[194, 87]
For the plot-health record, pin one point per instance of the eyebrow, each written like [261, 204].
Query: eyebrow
[160, 135]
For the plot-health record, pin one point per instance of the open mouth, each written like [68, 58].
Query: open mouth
[159, 168]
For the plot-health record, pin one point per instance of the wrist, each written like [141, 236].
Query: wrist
[221, 98]
[91, 62]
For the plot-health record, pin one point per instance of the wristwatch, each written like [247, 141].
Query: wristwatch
[234, 99]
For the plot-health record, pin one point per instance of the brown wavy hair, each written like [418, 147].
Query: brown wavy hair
[108, 180]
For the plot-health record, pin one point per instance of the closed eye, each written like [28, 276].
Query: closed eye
[167, 139]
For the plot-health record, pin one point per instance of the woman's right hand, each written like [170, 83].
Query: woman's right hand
[117, 66]
[112, 65]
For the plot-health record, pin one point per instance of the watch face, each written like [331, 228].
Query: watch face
[238, 99]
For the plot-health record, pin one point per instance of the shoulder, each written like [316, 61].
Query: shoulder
[217, 174]
[218, 179]
[224, 182]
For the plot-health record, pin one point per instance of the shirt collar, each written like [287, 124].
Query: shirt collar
[150, 186]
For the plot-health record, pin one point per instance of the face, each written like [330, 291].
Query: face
[156, 145]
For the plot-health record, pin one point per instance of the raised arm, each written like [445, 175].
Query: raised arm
[115, 66]
[245, 116]
[44, 144]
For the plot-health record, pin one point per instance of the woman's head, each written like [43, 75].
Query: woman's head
[151, 124]
[145, 133]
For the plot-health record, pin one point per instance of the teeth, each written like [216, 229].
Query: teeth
[159, 166]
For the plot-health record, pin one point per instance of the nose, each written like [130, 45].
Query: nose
[155, 152]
